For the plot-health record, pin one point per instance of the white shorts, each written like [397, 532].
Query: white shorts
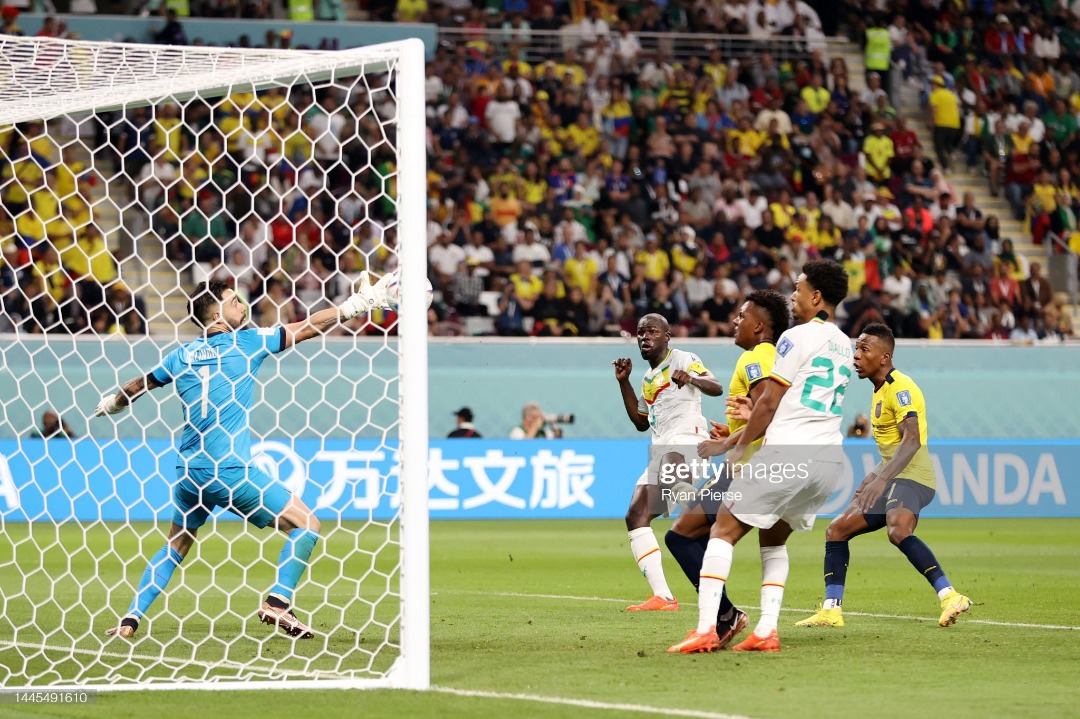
[651, 475]
[783, 486]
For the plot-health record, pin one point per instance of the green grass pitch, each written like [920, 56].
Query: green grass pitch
[537, 608]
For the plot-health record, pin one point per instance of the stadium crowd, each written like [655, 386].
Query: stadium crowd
[572, 195]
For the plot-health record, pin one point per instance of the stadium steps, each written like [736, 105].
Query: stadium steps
[140, 261]
[908, 106]
[853, 57]
[962, 180]
[966, 181]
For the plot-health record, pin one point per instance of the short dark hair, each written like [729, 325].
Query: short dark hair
[204, 299]
[882, 332]
[775, 305]
[829, 278]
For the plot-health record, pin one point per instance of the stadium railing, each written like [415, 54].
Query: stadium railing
[1061, 267]
[541, 45]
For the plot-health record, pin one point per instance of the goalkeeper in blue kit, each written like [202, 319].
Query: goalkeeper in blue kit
[215, 378]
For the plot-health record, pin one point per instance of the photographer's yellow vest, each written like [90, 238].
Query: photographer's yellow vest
[878, 49]
[182, 8]
[302, 10]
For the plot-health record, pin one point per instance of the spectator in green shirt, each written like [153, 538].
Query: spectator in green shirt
[1060, 123]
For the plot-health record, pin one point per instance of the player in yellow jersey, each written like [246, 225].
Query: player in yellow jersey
[762, 318]
[670, 406]
[894, 493]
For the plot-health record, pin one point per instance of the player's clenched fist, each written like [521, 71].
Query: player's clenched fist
[680, 378]
[623, 367]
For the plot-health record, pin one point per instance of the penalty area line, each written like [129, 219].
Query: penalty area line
[588, 704]
[872, 615]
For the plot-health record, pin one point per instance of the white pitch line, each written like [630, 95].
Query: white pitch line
[225, 663]
[589, 704]
[873, 615]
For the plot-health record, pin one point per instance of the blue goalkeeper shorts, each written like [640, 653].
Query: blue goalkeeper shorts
[245, 491]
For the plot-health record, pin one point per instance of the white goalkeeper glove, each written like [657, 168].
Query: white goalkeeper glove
[367, 298]
[108, 405]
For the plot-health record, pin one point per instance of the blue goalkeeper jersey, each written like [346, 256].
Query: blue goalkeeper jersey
[215, 378]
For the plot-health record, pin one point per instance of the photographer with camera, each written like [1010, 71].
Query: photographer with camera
[537, 425]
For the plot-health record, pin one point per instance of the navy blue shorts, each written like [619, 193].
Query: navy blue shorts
[899, 493]
[711, 498]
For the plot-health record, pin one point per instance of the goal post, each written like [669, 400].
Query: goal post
[284, 174]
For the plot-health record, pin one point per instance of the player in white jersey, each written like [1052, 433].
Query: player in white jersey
[781, 489]
[670, 406]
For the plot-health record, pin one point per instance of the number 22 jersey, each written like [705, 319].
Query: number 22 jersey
[814, 361]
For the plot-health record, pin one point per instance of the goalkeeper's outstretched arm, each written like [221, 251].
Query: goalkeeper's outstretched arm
[367, 298]
[131, 391]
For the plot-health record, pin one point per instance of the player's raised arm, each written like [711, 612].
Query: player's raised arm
[623, 368]
[705, 382]
[365, 299]
[115, 403]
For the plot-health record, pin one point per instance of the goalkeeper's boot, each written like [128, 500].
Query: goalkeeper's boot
[655, 603]
[286, 620]
[952, 606]
[696, 643]
[128, 626]
[733, 628]
[824, 618]
[754, 643]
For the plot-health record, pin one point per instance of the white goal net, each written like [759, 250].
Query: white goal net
[128, 175]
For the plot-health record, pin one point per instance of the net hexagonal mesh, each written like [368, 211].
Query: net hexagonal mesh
[128, 175]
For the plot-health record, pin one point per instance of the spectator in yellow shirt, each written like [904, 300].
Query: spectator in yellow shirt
[944, 109]
[817, 96]
[411, 10]
[745, 140]
[52, 276]
[581, 270]
[1044, 194]
[169, 132]
[527, 285]
[1022, 139]
[584, 135]
[879, 151]
[783, 210]
[657, 263]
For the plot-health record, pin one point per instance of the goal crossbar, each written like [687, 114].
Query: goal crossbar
[43, 78]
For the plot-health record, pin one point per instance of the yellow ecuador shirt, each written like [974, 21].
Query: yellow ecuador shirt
[754, 366]
[880, 150]
[169, 135]
[1046, 195]
[896, 399]
[817, 100]
[946, 107]
[581, 273]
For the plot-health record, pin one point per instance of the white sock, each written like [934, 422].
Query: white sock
[714, 573]
[774, 571]
[831, 604]
[945, 592]
[647, 554]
